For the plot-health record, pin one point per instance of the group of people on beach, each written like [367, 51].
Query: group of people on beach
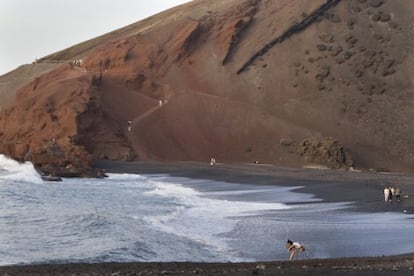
[390, 192]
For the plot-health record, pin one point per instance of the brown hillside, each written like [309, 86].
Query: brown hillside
[326, 82]
[14, 80]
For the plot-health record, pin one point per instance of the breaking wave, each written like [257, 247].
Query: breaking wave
[15, 171]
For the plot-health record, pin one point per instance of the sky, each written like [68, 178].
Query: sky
[31, 29]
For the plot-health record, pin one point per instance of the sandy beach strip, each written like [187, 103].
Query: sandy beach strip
[396, 265]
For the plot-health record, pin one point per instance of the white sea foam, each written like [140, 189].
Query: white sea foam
[125, 176]
[15, 171]
[200, 218]
[172, 190]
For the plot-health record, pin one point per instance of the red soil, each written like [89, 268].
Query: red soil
[238, 80]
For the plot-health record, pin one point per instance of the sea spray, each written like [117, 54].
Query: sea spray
[12, 170]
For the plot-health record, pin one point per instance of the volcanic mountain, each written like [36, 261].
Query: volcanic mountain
[285, 82]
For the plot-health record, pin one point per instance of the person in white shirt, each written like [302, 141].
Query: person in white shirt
[386, 194]
[293, 248]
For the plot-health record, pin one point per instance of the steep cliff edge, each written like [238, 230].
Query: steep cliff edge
[280, 82]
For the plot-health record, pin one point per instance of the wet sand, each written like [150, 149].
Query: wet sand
[363, 188]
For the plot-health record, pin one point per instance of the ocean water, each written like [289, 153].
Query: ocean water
[147, 218]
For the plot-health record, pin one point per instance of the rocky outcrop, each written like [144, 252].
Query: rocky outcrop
[231, 26]
[327, 152]
[44, 121]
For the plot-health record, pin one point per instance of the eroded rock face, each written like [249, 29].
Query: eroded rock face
[230, 80]
[40, 127]
[327, 152]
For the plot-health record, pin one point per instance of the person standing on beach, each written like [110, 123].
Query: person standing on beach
[391, 192]
[397, 192]
[386, 194]
[212, 161]
[294, 248]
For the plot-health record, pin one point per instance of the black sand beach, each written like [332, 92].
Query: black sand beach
[398, 265]
[363, 188]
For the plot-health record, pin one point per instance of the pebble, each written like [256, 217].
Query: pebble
[197, 271]
[261, 266]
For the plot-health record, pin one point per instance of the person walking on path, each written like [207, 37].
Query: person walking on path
[294, 248]
[386, 194]
[129, 126]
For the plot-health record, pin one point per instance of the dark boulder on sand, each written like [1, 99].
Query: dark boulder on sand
[228, 79]
[326, 152]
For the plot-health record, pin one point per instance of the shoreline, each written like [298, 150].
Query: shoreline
[364, 189]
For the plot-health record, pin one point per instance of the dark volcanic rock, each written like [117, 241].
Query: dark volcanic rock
[327, 152]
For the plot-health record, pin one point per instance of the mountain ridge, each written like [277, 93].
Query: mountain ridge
[277, 82]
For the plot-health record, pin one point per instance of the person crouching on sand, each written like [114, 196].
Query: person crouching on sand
[294, 248]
